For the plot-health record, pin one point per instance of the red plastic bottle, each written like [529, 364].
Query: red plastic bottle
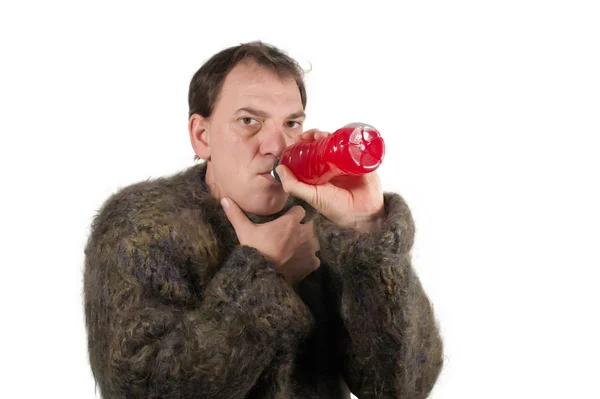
[355, 149]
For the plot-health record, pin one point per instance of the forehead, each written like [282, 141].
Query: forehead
[249, 84]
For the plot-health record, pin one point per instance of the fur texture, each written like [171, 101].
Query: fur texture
[176, 308]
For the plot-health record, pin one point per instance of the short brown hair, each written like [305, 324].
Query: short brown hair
[207, 82]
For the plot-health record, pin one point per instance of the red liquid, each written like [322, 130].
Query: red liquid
[355, 149]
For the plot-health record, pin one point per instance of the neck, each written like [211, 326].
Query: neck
[257, 219]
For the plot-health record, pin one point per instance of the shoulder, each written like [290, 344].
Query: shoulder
[154, 234]
[152, 206]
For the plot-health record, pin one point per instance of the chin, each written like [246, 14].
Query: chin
[267, 206]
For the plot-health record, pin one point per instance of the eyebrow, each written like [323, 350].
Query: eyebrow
[263, 114]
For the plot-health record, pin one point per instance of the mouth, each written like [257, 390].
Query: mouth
[270, 174]
[269, 177]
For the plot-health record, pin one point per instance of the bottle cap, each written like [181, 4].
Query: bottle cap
[273, 173]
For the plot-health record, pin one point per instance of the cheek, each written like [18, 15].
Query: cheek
[244, 148]
[238, 153]
[229, 142]
[238, 147]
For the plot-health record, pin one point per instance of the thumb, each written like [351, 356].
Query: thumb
[292, 186]
[234, 213]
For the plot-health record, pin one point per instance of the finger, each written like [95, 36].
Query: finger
[314, 237]
[316, 246]
[292, 186]
[316, 263]
[236, 216]
[321, 135]
[297, 212]
[308, 230]
[309, 134]
[312, 134]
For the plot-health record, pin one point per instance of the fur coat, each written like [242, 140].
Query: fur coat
[176, 308]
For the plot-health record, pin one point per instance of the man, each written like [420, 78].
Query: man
[220, 282]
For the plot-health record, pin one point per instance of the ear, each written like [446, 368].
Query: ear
[199, 137]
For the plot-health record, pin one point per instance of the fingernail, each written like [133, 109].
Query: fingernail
[225, 203]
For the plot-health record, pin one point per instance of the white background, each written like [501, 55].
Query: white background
[491, 116]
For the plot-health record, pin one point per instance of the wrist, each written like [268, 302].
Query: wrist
[370, 222]
[369, 225]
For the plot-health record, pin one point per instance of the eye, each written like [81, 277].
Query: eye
[293, 124]
[248, 121]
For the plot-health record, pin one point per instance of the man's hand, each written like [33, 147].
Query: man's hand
[349, 201]
[291, 246]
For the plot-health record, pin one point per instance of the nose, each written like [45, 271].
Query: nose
[273, 142]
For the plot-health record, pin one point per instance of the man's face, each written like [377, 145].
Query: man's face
[256, 116]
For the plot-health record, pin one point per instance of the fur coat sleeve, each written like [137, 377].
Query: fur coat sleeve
[389, 342]
[170, 315]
